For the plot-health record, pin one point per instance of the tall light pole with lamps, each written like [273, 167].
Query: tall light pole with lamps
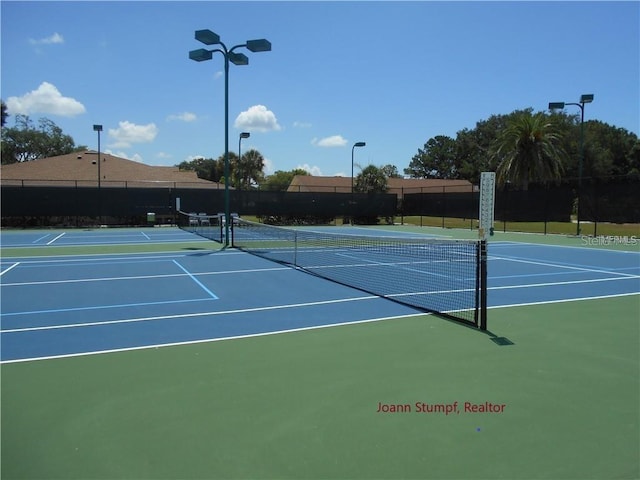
[586, 98]
[242, 135]
[98, 128]
[357, 144]
[209, 38]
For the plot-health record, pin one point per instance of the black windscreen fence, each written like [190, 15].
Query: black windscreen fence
[319, 204]
[442, 204]
[537, 204]
[614, 199]
[616, 202]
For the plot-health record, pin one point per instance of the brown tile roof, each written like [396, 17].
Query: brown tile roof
[399, 186]
[80, 168]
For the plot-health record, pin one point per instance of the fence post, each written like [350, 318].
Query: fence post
[402, 205]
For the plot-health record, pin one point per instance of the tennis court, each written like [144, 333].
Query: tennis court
[153, 353]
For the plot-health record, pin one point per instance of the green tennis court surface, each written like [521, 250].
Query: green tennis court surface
[561, 377]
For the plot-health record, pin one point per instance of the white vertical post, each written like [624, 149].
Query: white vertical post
[487, 204]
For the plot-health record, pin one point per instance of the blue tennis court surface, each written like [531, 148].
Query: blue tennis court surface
[94, 237]
[84, 304]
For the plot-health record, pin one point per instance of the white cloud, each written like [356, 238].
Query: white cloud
[333, 141]
[257, 118]
[315, 170]
[184, 116]
[268, 166]
[45, 99]
[136, 157]
[297, 124]
[55, 38]
[163, 155]
[129, 133]
[218, 75]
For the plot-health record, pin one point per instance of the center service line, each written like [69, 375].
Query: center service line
[196, 280]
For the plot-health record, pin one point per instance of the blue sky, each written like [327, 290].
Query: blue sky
[391, 74]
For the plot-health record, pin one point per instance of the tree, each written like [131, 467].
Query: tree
[25, 142]
[4, 112]
[204, 167]
[528, 149]
[280, 180]
[633, 159]
[371, 180]
[607, 149]
[473, 146]
[437, 159]
[390, 171]
[248, 170]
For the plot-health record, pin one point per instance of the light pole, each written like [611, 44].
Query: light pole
[357, 144]
[586, 98]
[242, 135]
[98, 128]
[209, 38]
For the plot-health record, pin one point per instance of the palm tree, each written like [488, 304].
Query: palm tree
[528, 150]
[250, 169]
[371, 180]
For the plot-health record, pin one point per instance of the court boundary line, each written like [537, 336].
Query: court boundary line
[559, 265]
[278, 332]
[89, 245]
[209, 340]
[41, 238]
[9, 268]
[82, 257]
[106, 307]
[59, 236]
[141, 277]
[190, 315]
[509, 243]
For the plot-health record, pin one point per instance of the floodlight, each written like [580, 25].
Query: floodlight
[207, 37]
[200, 55]
[238, 58]
[260, 45]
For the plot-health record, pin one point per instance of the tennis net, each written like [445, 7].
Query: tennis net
[446, 277]
[207, 226]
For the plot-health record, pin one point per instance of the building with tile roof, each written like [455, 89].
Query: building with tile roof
[398, 186]
[80, 169]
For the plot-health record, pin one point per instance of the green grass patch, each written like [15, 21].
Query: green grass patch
[50, 250]
[561, 228]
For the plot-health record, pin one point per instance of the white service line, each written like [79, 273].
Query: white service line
[49, 243]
